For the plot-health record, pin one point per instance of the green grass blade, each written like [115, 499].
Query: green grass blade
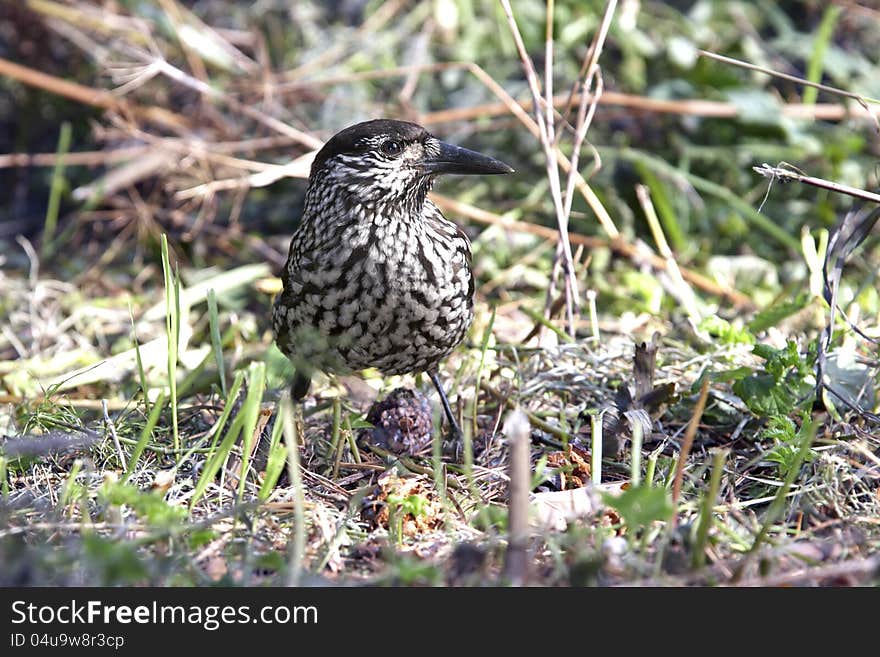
[4, 482]
[216, 343]
[736, 203]
[146, 434]
[56, 189]
[250, 412]
[816, 65]
[142, 375]
[336, 444]
[275, 463]
[663, 206]
[539, 318]
[706, 513]
[217, 455]
[808, 432]
[172, 331]
[484, 346]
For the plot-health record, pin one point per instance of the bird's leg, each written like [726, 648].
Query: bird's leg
[456, 430]
[299, 387]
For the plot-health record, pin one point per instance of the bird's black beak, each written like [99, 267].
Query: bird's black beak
[455, 159]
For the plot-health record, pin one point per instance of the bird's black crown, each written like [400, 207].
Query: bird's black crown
[361, 136]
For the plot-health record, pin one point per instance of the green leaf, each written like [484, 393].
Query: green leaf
[764, 395]
[725, 376]
[780, 428]
[150, 505]
[787, 453]
[275, 462]
[358, 421]
[641, 505]
[780, 361]
[725, 331]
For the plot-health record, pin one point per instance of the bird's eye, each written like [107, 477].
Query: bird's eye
[392, 147]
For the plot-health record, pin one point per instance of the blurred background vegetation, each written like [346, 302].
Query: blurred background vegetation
[304, 63]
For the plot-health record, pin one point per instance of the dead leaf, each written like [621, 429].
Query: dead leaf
[555, 509]
[390, 489]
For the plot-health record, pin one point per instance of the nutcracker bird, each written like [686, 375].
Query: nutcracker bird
[376, 276]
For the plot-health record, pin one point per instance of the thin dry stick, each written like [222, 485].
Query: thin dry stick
[559, 259]
[112, 427]
[590, 66]
[175, 18]
[89, 96]
[689, 107]
[687, 444]
[174, 73]
[855, 567]
[584, 120]
[546, 125]
[861, 100]
[104, 157]
[81, 158]
[787, 175]
[549, 118]
[589, 76]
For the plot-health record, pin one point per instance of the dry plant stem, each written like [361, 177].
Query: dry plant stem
[175, 17]
[517, 110]
[571, 296]
[187, 146]
[687, 444]
[689, 107]
[787, 175]
[705, 523]
[861, 100]
[82, 158]
[89, 96]
[586, 111]
[583, 122]
[590, 67]
[855, 568]
[516, 563]
[205, 89]
[596, 426]
[546, 124]
[112, 427]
